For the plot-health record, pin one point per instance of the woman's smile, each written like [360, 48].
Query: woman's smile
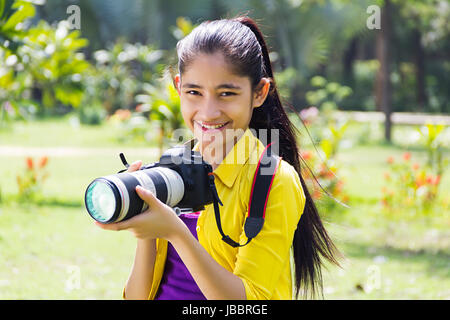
[212, 127]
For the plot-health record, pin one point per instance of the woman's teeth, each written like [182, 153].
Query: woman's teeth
[217, 126]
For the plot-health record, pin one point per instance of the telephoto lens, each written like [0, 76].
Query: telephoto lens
[181, 178]
[114, 198]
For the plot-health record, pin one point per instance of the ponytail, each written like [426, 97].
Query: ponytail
[311, 241]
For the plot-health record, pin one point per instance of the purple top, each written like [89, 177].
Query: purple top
[177, 282]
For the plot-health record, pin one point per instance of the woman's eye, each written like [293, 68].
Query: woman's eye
[193, 92]
[227, 94]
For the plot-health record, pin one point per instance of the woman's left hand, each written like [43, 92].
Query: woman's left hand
[159, 221]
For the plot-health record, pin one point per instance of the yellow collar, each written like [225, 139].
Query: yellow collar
[228, 170]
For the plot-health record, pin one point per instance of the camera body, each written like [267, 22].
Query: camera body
[180, 179]
[194, 172]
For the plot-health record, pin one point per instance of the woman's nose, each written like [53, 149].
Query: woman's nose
[209, 110]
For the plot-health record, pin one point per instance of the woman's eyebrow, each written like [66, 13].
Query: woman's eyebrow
[191, 85]
[228, 86]
[221, 86]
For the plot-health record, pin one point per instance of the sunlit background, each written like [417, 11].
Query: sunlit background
[365, 82]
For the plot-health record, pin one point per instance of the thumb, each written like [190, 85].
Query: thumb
[148, 197]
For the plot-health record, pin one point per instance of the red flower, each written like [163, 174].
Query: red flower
[436, 180]
[406, 156]
[43, 162]
[390, 160]
[29, 163]
[306, 155]
[415, 166]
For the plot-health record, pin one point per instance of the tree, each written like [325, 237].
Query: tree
[427, 21]
[383, 88]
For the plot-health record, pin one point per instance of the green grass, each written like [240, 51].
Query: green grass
[47, 247]
[65, 132]
[385, 259]
[57, 253]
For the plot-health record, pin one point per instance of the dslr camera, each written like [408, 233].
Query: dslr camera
[181, 179]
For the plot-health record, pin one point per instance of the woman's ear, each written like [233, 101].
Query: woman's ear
[261, 92]
[177, 83]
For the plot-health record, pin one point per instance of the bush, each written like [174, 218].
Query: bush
[40, 66]
[324, 175]
[409, 187]
[321, 169]
[30, 183]
[120, 73]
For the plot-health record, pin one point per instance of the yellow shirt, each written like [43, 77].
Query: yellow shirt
[264, 265]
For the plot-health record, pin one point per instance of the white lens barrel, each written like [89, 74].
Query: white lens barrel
[165, 181]
[175, 185]
[123, 195]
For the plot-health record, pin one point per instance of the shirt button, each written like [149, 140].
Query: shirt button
[198, 228]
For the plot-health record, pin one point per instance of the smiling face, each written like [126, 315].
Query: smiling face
[217, 104]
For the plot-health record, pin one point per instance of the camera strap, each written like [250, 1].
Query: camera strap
[262, 182]
[125, 163]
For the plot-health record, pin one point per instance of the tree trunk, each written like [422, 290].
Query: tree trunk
[383, 89]
[419, 60]
[348, 61]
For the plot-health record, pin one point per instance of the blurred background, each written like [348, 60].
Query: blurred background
[365, 82]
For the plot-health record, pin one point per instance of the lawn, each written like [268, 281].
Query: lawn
[52, 250]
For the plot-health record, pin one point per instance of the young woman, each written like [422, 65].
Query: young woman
[226, 84]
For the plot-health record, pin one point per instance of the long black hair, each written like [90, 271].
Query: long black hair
[243, 46]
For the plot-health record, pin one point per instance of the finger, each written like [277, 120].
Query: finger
[117, 226]
[148, 197]
[134, 166]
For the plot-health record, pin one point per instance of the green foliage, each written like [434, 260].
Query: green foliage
[92, 113]
[162, 103]
[286, 82]
[40, 59]
[132, 127]
[328, 130]
[362, 83]
[13, 14]
[54, 63]
[183, 27]
[411, 188]
[323, 174]
[328, 95]
[333, 136]
[434, 144]
[119, 73]
[323, 166]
